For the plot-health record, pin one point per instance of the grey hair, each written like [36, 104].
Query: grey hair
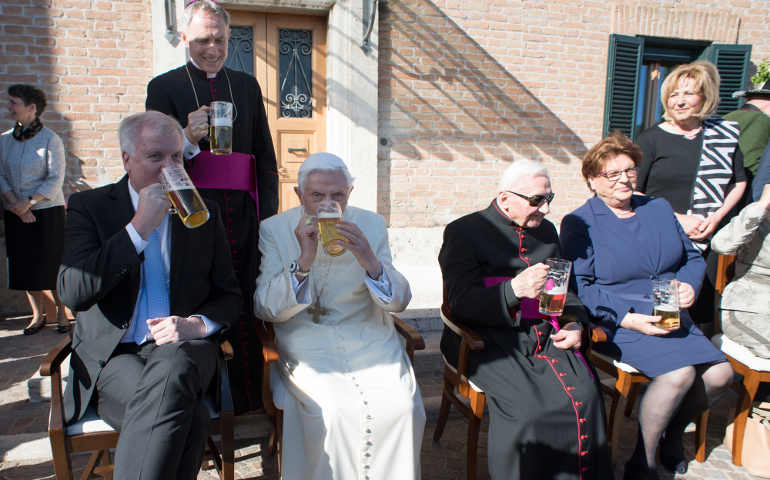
[520, 169]
[322, 162]
[207, 5]
[131, 128]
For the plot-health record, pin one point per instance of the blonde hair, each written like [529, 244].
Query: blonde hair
[706, 77]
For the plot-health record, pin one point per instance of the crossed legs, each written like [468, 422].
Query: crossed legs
[153, 395]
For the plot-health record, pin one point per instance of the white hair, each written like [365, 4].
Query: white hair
[208, 5]
[322, 162]
[520, 169]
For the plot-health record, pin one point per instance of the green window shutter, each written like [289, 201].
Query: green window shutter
[732, 61]
[623, 64]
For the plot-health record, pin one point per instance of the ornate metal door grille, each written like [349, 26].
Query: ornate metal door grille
[240, 50]
[295, 49]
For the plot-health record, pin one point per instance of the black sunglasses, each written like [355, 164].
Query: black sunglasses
[536, 200]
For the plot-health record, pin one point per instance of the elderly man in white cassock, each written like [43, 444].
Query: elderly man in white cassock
[352, 407]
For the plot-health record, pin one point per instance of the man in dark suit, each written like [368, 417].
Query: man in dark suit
[152, 296]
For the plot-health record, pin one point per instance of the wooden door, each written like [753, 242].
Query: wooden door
[289, 62]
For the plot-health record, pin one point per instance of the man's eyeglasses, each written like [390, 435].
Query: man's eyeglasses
[615, 175]
[536, 200]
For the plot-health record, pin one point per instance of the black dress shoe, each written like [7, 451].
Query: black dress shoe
[62, 328]
[674, 464]
[634, 471]
[672, 455]
[31, 330]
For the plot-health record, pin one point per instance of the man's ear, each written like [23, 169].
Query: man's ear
[124, 156]
[299, 195]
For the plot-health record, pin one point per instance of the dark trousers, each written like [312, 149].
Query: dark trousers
[153, 396]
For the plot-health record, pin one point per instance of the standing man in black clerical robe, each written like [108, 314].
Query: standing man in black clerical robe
[245, 183]
[546, 417]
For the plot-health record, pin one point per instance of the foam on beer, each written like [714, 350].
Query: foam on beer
[328, 215]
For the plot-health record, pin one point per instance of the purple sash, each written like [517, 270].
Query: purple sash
[530, 309]
[225, 172]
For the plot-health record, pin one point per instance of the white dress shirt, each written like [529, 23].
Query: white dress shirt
[165, 250]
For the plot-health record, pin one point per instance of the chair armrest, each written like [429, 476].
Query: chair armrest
[471, 338]
[414, 340]
[598, 335]
[52, 362]
[410, 334]
[270, 355]
[266, 336]
[227, 349]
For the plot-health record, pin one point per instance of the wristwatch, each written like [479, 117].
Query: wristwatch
[32, 202]
[295, 270]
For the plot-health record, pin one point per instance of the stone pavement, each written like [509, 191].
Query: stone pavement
[26, 452]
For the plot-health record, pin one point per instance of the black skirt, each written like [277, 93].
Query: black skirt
[34, 249]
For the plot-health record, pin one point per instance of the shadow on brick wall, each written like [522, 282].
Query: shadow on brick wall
[13, 302]
[444, 98]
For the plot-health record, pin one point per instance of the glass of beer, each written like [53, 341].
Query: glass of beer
[555, 289]
[221, 128]
[329, 213]
[665, 302]
[184, 197]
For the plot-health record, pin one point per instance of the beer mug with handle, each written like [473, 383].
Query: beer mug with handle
[184, 197]
[221, 128]
[329, 213]
[555, 289]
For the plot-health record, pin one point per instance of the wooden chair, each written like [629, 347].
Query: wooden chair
[628, 380]
[468, 398]
[413, 342]
[92, 434]
[461, 392]
[755, 370]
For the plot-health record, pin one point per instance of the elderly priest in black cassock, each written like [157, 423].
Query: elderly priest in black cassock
[245, 183]
[546, 413]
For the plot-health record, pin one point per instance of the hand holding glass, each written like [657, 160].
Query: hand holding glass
[329, 214]
[554, 293]
[665, 302]
[184, 197]
[221, 128]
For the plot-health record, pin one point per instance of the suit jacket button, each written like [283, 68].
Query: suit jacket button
[102, 363]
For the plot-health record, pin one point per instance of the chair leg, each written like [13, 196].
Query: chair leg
[472, 452]
[61, 458]
[226, 436]
[631, 400]
[750, 386]
[611, 439]
[443, 413]
[279, 442]
[98, 464]
[477, 402]
[700, 436]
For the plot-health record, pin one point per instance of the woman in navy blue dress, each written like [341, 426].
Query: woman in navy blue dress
[618, 242]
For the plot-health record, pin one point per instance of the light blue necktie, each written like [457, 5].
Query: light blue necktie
[153, 302]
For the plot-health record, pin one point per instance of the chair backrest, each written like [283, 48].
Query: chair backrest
[725, 273]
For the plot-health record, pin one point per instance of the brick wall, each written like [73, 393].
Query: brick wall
[93, 59]
[467, 86]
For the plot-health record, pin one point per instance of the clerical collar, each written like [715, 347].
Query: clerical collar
[503, 217]
[199, 69]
